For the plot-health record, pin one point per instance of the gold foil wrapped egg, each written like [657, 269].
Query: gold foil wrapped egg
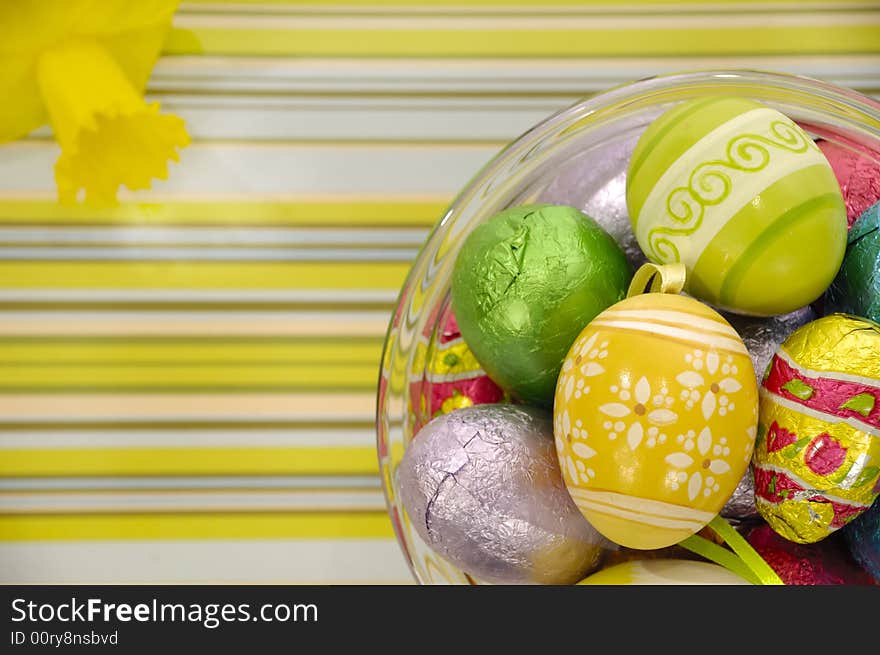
[655, 418]
[817, 461]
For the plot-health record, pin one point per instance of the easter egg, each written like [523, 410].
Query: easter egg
[525, 283]
[858, 173]
[655, 417]
[863, 537]
[446, 375]
[664, 572]
[817, 459]
[823, 563]
[740, 195]
[856, 290]
[482, 488]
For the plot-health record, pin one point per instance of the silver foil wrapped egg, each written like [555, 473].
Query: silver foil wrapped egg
[482, 487]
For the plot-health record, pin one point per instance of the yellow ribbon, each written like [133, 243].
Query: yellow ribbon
[744, 561]
[655, 278]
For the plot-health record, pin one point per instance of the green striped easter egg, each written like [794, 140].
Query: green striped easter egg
[742, 196]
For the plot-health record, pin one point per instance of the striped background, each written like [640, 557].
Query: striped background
[187, 381]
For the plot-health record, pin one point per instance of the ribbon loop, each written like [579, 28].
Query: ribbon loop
[655, 278]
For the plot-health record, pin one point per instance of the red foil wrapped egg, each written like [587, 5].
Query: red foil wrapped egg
[823, 563]
[857, 174]
[453, 377]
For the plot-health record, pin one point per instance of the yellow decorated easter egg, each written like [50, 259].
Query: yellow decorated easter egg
[664, 572]
[655, 418]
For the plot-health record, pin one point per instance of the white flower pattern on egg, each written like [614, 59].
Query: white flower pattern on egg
[635, 412]
[699, 472]
[709, 382]
[586, 364]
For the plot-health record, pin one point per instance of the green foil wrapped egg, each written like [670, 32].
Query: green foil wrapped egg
[742, 196]
[525, 284]
[856, 290]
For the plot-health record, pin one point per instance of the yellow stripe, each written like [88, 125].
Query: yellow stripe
[321, 212]
[202, 275]
[526, 43]
[323, 376]
[406, 4]
[189, 461]
[289, 525]
[349, 351]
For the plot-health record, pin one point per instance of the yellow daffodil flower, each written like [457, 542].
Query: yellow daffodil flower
[83, 65]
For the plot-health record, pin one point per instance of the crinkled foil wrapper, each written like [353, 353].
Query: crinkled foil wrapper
[741, 504]
[763, 336]
[482, 487]
[816, 461]
[863, 537]
[856, 290]
[824, 563]
[858, 176]
[448, 376]
[525, 283]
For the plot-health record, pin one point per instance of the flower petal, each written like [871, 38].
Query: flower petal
[566, 423]
[729, 385]
[690, 379]
[704, 441]
[679, 460]
[588, 345]
[591, 369]
[634, 435]
[718, 466]
[708, 405]
[643, 390]
[617, 410]
[569, 388]
[712, 362]
[662, 417]
[694, 485]
[582, 450]
[572, 469]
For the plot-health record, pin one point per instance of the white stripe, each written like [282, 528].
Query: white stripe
[318, 296]
[130, 235]
[238, 561]
[191, 501]
[194, 323]
[744, 186]
[116, 439]
[201, 482]
[672, 524]
[135, 253]
[699, 338]
[644, 505]
[156, 408]
[331, 118]
[679, 318]
[830, 375]
[258, 169]
[807, 486]
[853, 422]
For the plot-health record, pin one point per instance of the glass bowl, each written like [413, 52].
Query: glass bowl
[576, 157]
